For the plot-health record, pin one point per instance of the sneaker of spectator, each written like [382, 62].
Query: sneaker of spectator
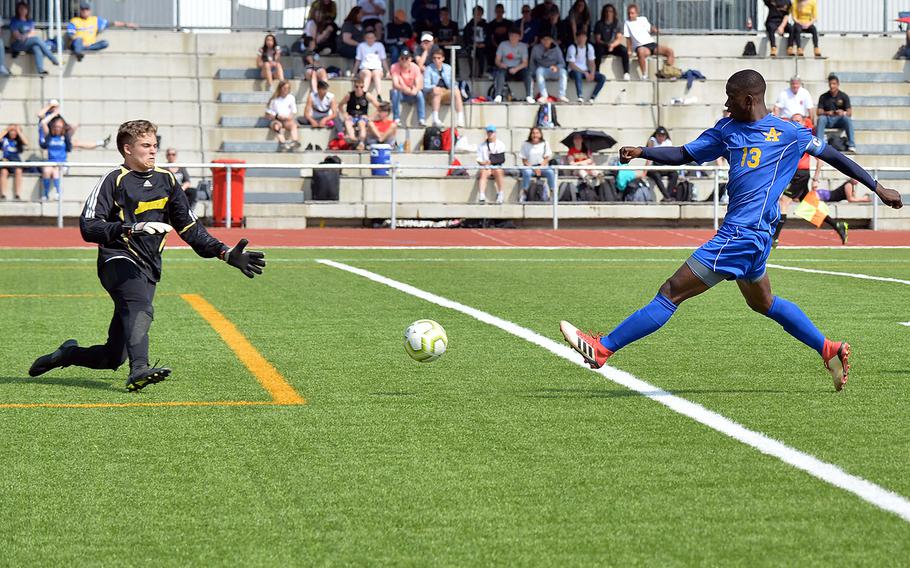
[549, 64]
[638, 30]
[371, 63]
[83, 31]
[794, 100]
[268, 59]
[25, 38]
[282, 114]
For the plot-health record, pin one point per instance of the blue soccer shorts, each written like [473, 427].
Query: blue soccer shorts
[734, 253]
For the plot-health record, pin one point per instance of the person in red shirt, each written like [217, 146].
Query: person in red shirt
[580, 155]
[382, 129]
[799, 189]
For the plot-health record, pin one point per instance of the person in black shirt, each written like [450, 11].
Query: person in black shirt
[398, 33]
[834, 111]
[608, 39]
[446, 31]
[474, 36]
[778, 21]
[497, 31]
[129, 215]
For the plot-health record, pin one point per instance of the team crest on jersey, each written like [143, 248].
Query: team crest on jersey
[772, 135]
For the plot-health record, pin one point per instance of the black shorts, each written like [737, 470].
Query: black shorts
[652, 46]
[799, 186]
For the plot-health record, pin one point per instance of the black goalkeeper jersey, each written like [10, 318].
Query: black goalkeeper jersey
[123, 197]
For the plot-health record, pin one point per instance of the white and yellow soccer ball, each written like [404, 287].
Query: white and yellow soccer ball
[425, 341]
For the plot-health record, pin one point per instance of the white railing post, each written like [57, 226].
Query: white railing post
[393, 217]
[716, 199]
[60, 199]
[227, 194]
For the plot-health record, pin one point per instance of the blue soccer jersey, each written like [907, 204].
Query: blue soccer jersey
[763, 156]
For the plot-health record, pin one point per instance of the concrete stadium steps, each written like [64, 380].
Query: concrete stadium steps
[871, 77]
[835, 47]
[85, 87]
[25, 112]
[883, 101]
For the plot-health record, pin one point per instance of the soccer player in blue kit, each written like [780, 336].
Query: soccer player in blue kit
[763, 151]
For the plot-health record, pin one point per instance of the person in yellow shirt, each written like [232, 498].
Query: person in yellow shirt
[84, 29]
[804, 14]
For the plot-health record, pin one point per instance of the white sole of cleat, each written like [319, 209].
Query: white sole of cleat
[839, 371]
[570, 333]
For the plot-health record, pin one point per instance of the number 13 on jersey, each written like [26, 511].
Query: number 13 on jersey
[751, 157]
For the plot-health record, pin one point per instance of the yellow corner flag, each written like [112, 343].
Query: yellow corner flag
[812, 209]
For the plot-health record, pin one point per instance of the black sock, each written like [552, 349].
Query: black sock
[830, 222]
[780, 226]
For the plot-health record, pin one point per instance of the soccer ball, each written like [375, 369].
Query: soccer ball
[425, 341]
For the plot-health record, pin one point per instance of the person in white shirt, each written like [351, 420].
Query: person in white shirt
[370, 62]
[488, 152]
[795, 100]
[661, 139]
[321, 109]
[535, 156]
[282, 112]
[638, 32]
[580, 58]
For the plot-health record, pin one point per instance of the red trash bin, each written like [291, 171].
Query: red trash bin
[219, 193]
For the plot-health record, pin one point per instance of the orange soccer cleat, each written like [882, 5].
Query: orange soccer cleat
[835, 355]
[588, 345]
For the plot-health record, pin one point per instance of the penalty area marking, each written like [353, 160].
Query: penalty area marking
[830, 473]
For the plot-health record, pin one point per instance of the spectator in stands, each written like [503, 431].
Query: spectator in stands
[425, 15]
[529, 26]
[491, 153]
[474, 36]
[551, 25]
[497, 31]
[659, 139]
[4, 72]
[535, 156]
[549, 64]
[804, 14]
[446, 31]
[407, 86]
[638, 30]
[325, 12]
[181, 176]
[25, 38]
[541, 12]
[438, 87]
[313, 70]
[53, 138]
[511, 64]
[13, 144]
[583, 67]
[268, 60]
[580, 155]
[608, 39]
[425, 50]
[53, 107]
[835, 111]
[778, 22]
[382, 129]
[844, 192]
[398, 35]
[318, 36]
[355, 108]
[371, 63]
[83, 30]
[371, 15]
[320, 110]
[579, 20]
[351, 34]
[795, 100]
[282, 114]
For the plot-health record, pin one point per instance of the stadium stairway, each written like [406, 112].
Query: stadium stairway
[209, 102]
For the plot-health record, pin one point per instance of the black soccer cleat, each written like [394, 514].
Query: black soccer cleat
[142, 378]
[842, 227]
[50, 361]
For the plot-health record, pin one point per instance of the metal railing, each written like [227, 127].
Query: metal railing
[396, 168]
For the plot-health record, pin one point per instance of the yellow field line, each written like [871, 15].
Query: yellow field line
[135, 404]
[269, 377]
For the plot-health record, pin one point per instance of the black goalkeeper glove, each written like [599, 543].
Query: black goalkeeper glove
[250, 263]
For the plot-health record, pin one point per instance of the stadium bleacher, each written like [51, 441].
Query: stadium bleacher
[202, 92]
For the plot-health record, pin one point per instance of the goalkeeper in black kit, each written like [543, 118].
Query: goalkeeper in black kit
[130, 213]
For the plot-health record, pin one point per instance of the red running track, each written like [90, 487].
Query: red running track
[49, 237]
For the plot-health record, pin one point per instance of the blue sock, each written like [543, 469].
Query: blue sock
[643, 322]
[46, 185]
[57, 185]
[796, 323]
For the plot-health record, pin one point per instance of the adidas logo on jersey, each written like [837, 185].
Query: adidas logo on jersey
[147, 184]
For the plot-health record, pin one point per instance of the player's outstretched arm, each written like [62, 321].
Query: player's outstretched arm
[843, 164]
[249, 262]
[666, 155]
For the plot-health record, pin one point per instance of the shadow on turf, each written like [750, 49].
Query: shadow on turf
[96, 384]
[622, 393]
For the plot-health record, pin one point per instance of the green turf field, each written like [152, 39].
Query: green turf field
[499, 453]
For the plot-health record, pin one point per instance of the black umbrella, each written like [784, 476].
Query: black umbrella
[595, 140]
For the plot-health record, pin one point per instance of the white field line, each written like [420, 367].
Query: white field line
[847, 274]
[830, 473]
[906, 323]
[489, 259]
